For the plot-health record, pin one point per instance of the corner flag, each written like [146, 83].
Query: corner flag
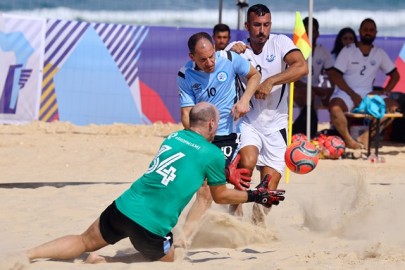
[300, 37]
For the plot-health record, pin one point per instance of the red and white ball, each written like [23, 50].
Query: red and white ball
[301, 157]
[334, 147]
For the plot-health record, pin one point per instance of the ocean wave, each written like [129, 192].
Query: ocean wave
[330, 20]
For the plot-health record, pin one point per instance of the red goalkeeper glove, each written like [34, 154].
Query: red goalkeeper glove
[239, 177]
[265, 197]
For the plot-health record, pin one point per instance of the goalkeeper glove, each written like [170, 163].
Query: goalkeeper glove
[265, 197]
[239, 177]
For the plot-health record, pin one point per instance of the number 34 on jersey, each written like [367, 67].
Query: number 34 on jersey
[164, 167]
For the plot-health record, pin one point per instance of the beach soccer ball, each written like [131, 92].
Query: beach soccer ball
[334, 147]
[297, 137]
[319, 142]
[301, 157]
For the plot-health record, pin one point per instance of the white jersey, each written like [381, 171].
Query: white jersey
[321, 60]
[271, 114]
[359, 71]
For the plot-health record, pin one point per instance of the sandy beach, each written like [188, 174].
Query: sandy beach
[56, 178]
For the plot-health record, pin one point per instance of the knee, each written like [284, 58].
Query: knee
[334, 109]
[249, 163]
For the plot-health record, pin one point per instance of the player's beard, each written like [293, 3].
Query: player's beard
[368, 40]
[261, 38]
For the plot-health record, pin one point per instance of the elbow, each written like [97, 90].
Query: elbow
[219, 199]
[304, 70]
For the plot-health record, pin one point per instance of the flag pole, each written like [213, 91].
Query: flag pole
[309, 77]
[290, 121]
[300, 40]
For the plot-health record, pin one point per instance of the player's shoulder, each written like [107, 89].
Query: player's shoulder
[274, 38]
[184, 69]
[224, 54]
[348, 50]
[280, 42]
[322, 48]
[379, 50]
[351, 47]
[231, 44]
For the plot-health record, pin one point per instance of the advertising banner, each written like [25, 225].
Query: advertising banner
[21, 52]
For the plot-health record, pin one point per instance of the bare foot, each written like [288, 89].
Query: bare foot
[354, 144]
[94, 258]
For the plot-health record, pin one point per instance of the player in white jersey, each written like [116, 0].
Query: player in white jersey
[211, 76]
[354, 72]
[264, 128]
[322, 62]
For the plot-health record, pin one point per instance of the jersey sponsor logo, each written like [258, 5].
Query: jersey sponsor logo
[196, 86]
[222, 76]
[373, 62]
[270, 58]
[174, 134]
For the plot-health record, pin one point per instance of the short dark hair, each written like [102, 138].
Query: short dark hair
[192, 41]
[258, 9]
[315, 22]
[221, 27]
[368, 20]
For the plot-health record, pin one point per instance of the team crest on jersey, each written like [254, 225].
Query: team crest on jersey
[373, 63]
[318, 61]
[270, 58]
[196, 86]
[222, 76]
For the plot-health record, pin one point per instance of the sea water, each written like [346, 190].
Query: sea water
[332, 15]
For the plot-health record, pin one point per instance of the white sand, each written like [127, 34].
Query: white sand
[345, 214]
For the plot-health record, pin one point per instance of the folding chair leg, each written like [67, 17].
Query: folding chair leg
[370, 126]
[377, 137]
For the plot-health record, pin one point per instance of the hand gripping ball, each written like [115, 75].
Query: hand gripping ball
[301, 157]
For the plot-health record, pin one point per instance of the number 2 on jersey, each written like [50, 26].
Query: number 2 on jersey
[362, 71]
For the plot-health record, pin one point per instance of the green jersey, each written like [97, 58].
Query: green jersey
[156, 200]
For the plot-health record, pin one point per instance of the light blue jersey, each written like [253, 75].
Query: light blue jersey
[217, 88]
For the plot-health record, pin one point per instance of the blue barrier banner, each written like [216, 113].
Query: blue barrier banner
[103, 73]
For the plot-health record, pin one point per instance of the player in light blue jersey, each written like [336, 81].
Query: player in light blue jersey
[213, 77]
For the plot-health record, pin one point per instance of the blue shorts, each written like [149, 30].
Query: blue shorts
[115, 226]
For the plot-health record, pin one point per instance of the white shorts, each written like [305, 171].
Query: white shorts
[271, 146]
[347, 99]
